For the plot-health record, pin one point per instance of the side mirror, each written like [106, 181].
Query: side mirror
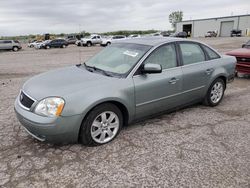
[243, 45]
[151, 68]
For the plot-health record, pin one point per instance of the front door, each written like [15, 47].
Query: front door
[158, 92]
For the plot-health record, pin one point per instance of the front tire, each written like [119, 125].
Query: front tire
[215, 93]
[89, 44]
[15, 49]
[47, 47]
[101, 125]
[63, 46]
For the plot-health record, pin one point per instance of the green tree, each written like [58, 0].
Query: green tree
[175, 17]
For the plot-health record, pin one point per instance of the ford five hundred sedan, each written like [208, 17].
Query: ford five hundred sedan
[125, 82]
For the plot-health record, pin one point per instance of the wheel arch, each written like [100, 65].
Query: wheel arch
[119, 104]
[223, 77]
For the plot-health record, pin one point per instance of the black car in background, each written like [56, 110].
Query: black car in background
[236, 33]
[181, 34]
[57, 43]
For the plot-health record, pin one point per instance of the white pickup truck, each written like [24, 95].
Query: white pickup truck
[89, 41]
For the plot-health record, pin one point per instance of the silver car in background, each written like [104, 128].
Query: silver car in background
[108, 40]
[10, 45]
[128, 81]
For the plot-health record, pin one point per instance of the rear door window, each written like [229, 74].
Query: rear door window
[191, 53]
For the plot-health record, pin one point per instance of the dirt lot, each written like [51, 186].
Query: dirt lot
[194, 147]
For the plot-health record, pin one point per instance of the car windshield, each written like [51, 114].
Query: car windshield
[118, 58]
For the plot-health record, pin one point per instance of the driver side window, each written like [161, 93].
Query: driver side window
[164, 55]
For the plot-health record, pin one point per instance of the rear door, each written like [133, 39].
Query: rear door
[158, 92]
[194, 70]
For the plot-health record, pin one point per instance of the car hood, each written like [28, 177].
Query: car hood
[63, 81]
[240, 52]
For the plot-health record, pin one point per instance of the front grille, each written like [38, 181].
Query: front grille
[243, 59]
[25, 100]
[243, 68]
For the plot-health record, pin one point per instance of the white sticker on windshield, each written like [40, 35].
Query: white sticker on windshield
[130, 53]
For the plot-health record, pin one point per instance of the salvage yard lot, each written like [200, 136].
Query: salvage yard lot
[197, 146]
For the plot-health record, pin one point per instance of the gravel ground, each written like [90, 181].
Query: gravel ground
[195, 147]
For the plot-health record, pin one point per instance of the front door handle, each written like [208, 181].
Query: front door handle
[173, 80]
[209, 71]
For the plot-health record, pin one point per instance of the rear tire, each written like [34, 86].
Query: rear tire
[102, 124]
[215, 93]
[63, 46]
[47, 47]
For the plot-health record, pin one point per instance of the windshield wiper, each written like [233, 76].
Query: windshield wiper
[89, 68]
[93, 68]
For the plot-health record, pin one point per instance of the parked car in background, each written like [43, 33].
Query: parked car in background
[57, 43]
[128, 81]
[236, 33]
[41, 44]
[34, 43]
[10, 45]
[165, 33]
[134, 36]
[181, 34]
[90, 40]
[243, 58]
[71, 40]
[156, 35]
[108, 40]
[211, 34]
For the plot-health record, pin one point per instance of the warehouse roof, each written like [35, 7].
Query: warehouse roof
[214, 18]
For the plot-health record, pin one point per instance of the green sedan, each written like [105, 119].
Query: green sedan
[128, 81]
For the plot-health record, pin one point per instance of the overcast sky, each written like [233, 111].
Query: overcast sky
[65, 16]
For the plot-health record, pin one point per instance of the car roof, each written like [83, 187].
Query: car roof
[151, 41]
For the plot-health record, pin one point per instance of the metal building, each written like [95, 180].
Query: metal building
[222, 25]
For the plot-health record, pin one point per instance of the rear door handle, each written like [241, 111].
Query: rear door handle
[209, 71]
[173, 80]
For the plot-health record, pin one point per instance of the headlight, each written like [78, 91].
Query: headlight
[51, 107]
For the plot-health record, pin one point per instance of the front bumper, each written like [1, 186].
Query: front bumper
[53, 130]
[83, 42]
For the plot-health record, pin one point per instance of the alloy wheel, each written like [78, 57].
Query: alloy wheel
[105, 127]
[216, 92]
